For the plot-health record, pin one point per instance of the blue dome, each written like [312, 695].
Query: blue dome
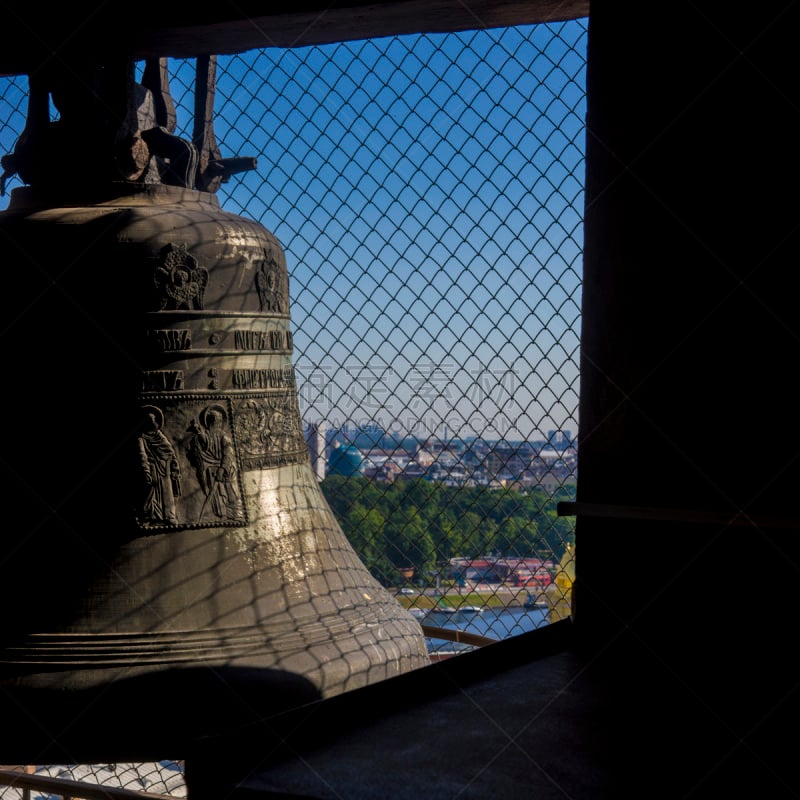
[345, 460]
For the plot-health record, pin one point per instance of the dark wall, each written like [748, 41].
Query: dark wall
[690, 338]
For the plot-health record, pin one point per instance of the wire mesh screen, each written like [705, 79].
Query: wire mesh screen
[156, 778]
[428, 192]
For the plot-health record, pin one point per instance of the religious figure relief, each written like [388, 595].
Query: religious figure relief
[252, 431]
[180, 281]
[281, 428]
[211, 452]
[162, 476]
[273, 290]
[269, 431]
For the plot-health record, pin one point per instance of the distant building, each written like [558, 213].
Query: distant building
[424, 457]
[346, 460]
[364, 437]
[530, 572]
[317, 447]
[384, 471]
[560, 440]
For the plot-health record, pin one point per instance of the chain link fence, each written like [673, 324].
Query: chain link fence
[428, 192]
[164, 778]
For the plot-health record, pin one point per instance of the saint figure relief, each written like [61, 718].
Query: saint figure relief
[212, 454]
[162, 475]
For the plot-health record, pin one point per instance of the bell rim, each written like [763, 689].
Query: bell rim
[24, 198]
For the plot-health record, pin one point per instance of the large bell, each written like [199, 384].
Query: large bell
[167, 544]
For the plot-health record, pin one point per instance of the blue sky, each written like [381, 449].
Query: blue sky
[428, 192]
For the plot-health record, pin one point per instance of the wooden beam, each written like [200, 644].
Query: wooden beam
[38, 35]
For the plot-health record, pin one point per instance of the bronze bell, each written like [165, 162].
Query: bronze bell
[169, 542]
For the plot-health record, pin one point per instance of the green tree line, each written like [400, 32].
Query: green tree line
[422, 524]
